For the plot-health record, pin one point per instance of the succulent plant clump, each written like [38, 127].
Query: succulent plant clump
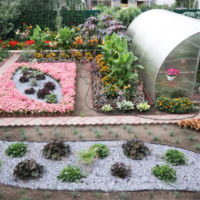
[120, 170]
[50, 85]
[23, 79]
[56, 150]
[30, 91]
[28, 169]
[135, 149]
[42, 93]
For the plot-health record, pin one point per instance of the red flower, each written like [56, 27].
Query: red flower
[30, 42]
[47, 41]
[1, 41]
[13, 43]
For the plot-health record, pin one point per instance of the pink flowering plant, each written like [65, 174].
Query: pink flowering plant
[13, 101]
[172, 72]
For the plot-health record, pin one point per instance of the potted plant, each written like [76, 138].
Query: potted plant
[172, 73]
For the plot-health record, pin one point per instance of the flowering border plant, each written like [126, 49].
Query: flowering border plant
[64, 73]
[173, 72]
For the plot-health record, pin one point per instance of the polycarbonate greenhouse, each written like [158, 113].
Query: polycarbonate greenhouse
[164, 40]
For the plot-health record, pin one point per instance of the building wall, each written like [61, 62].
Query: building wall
[165, 2]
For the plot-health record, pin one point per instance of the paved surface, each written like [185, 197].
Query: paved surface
[88, 120]
[93, 120]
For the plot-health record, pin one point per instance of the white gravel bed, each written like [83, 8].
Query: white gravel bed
[100, 178]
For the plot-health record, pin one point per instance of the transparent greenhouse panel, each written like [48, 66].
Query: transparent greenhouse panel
[161, 40]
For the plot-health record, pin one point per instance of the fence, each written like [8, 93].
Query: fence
[46, 18]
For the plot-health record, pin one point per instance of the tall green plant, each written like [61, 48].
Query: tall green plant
[75, 4]
[39, 36]
[120, 60]
[9, 12]
[64, 37]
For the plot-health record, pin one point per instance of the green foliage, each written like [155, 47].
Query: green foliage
[107, 108]
[64, 37]
[125, 105]
[51, 98]
[175, 157]
[126, 16]
[120, 60]
[88, 156]
[40, 37]
[195, 15]
[174, 105]
[71, 174]
[3, 54]
[16, 150]
[95, 151]
[164, 173]
[143, 106]
[9, 12]
[101, 150]
[28, 169]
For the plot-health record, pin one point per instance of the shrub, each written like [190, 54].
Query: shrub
[9, 12]
[175, 157]
[50, 85]
[51, 98]
[42, 93]
[190, 123]
[95, 151]
[135, 149]
[3, 54]
[71, 174]
[125, 105]
[120, 170]
[56, 150]
[101, 150]
[30, 91]
[143, 106]
[164, 173]
[16, 150]
[107, 108]
[23, 79]
[174, 105]
[28, 169]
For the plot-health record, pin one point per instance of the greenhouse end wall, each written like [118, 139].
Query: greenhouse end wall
[161, 40]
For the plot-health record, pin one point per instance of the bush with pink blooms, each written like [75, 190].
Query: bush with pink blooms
[13, 101]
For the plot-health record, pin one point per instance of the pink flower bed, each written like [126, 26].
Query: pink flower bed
[13, 101]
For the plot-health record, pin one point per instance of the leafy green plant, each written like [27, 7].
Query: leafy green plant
[175, 157]
[56, 150]
[164, 173]
[51, 98]
[174, 105]
[94, 152]
[125, 105]
[16, 150]
[120, 60]
[28, 169]
[64, 37]
[143, 106]
[71, 174]
[101, 150]
[107, 108]
[3, 54]
[39, 37]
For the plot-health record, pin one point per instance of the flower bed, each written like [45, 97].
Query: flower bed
[64, 73]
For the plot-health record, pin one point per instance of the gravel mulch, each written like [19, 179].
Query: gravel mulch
[100, 178]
